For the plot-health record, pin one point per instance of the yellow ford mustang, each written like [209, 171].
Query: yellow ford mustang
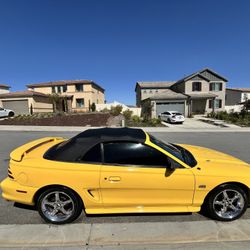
[122, 170]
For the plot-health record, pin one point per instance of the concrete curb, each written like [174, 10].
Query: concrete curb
[123, 234]
[147, 129]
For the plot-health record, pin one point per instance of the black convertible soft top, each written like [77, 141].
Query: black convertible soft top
[71, 150]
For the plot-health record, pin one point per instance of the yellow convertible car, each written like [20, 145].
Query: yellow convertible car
[123, 170]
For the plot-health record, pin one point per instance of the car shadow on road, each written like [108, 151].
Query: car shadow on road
[23, 206]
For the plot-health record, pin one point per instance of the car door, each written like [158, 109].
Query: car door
[3, 112]
[136, 176]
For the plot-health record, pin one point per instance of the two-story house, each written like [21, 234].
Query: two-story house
[198, 93]
[69, 95]
[80, 94]
[234, 96]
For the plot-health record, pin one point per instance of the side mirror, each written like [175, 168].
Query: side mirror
[171, 166]
[169, 170]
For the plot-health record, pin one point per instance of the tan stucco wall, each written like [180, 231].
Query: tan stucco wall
[41, 104]
[44, 90]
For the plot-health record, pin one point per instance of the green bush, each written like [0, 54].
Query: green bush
[93, 107]
[116, 110]
[135, 118]
[105, 110]
[155, 121]
[127, 114]
[242, 118]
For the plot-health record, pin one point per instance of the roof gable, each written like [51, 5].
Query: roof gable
[206, 73]
[211, 75]
[199, 77]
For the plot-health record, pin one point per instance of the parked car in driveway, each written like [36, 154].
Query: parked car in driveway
[124, 170]
[6, 112]
[172, 117]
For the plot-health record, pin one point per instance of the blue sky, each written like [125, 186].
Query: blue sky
[119, 42]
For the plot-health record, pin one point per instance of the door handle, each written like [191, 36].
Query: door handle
[114, 178]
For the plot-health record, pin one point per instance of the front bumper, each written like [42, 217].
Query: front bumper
[12, 191]
[179, 120]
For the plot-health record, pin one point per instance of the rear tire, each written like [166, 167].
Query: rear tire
[226, 203]
[11, 114]
[59, 205]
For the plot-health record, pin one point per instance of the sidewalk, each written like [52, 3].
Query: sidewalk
[124, 235]
[171, 128]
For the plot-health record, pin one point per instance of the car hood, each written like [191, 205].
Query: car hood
[202, 154]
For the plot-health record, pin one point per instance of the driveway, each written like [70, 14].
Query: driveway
[191, 123]
[196, 123]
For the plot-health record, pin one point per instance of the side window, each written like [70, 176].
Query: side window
[130, 153]
[93, 155]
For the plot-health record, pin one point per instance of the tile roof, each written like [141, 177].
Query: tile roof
[63, 82]
[156, 84]
[240, 89]
[168, 94]
[4, 86]
[26, 93]
[201, 95]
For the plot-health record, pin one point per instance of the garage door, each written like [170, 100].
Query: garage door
[18, 106]
[170, 106]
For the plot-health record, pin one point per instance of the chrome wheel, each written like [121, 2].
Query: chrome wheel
[228, 204]
[57, 206]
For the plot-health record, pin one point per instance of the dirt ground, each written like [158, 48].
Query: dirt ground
[100, 119]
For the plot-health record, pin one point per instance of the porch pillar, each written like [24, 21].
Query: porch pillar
[190, 106]
[213, 105]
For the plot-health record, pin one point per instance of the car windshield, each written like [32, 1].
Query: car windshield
[168, 147]
[176, 150]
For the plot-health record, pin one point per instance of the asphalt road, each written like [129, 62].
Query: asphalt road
[236, 144]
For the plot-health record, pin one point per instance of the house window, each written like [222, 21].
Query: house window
[80, 103]
[150, 91]
[79, 87]
[196, 86]
[156, 91]
[144, 91]
[64, 88]
[244, 96]
[59, 89]
[215, 86]
[217, 103]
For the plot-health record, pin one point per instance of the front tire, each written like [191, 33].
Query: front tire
[11, 114]
[59, 205]
[227, 203]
